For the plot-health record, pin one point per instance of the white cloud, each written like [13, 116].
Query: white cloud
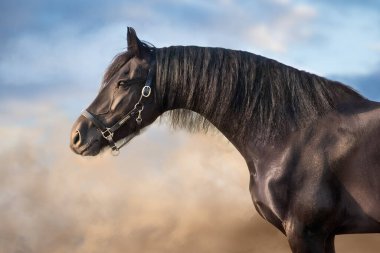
[263, 36]
[375, 47]
[281, 32]
[281, 1]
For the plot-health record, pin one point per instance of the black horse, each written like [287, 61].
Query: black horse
[311, 145]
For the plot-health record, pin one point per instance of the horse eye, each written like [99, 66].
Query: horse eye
[130, 82]
[122, 83]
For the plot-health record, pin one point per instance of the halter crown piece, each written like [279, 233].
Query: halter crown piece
[108, 132]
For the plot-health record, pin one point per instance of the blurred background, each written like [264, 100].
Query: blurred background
[168, 191]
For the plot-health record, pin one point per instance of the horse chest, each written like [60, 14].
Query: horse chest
[269, 193]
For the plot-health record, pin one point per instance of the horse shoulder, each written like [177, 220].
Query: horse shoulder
[359, 170]
[335, 173]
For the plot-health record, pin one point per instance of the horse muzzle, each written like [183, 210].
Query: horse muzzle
[84, 140]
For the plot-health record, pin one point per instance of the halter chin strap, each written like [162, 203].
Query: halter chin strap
[108, 132]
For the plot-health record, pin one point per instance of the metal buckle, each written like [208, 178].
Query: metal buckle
[146, 91]
[107, 134]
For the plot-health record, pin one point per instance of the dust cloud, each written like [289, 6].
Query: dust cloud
[166, 192]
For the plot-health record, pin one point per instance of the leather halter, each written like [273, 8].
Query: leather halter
[108, 132]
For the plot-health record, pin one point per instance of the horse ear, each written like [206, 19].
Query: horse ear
[134, 43]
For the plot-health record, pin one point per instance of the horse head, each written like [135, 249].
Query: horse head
[125, 104]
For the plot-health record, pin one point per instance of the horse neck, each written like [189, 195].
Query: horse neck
[188, 79]
[201, 80]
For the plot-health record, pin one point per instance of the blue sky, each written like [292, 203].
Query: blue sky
[56, 50]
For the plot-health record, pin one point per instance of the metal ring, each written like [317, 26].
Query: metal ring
[146, 90]
[115, 151]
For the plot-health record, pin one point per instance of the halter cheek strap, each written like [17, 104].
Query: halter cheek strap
[108, 132]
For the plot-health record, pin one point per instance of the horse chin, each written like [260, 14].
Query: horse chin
[92, 149]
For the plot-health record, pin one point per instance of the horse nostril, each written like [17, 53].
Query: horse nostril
[76, 139]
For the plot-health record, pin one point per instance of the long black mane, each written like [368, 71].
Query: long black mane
[255, 95]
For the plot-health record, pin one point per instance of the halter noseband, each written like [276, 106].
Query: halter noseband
[108, 132]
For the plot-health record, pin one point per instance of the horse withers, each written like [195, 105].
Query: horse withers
[311, 144]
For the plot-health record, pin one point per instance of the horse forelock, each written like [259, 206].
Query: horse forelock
[122, 58]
